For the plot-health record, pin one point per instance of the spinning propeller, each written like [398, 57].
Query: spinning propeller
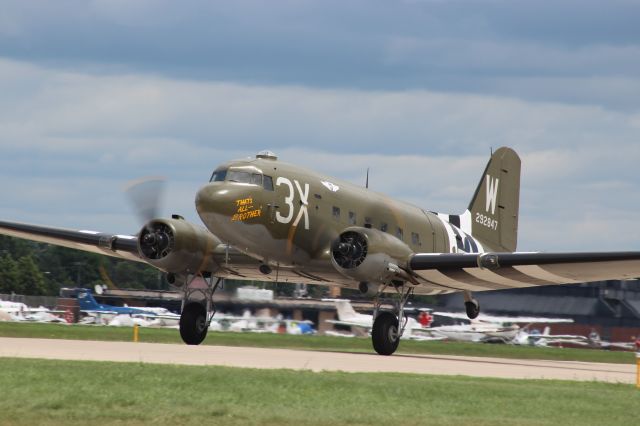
[155, 239]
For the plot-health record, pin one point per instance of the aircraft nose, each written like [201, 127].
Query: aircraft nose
[215, 201]
[205, 198]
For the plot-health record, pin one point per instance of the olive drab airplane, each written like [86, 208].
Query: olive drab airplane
[272, 221]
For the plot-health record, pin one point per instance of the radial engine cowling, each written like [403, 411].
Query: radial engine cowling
[177, 246]
[370, 255]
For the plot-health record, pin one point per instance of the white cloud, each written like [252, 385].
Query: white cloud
[69, 141]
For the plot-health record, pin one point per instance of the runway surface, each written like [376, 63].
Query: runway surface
[314, 360]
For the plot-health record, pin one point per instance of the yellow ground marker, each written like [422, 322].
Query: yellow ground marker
[136, 334]
[638, 370]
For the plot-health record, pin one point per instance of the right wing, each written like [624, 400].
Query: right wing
[494, 271]
[121, 246]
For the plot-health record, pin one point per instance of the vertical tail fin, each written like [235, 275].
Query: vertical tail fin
[494, 206]
[86, 300]
[345, 310]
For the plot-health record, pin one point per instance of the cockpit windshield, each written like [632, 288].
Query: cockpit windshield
[218, 175]
[244, 177]
[251, 176]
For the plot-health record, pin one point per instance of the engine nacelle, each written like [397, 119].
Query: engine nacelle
[369, 255]
[177, 246]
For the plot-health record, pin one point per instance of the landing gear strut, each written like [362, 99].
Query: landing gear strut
[197, 313]
[471, 305]
[388, 327]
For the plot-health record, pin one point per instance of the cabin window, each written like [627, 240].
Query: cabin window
[399, 234]
[268, 183]
[352, 218]
[415, 238]
[336, 213]
[218, 175]
[383, 227]
[367, 222]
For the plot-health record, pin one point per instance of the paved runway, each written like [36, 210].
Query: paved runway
[313, 360]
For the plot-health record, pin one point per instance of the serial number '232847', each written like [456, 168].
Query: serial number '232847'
[486, 221]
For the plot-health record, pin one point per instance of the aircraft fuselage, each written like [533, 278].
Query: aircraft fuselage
[287, 216]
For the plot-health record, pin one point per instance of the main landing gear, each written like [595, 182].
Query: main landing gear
[388, 327]
[197, 312]
[471, 305]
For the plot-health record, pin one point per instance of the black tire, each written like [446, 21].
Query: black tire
[193, 323]
[385, 334]
[473, 308]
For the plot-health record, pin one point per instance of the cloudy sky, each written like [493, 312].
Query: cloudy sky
[96, 93]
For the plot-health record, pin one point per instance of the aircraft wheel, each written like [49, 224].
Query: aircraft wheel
[193, 323]
[473, 308]
[385, 334]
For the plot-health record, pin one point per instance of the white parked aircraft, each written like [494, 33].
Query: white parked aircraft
[490, 328]
[348, 317]
[16, 311]
[260, 323]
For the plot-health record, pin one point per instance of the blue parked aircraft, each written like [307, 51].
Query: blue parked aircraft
[89, 305]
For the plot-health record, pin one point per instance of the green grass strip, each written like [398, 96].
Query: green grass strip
[326, 343]
[45, 392]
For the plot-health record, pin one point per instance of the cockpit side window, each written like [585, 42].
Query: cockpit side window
[218, 175]
[268, 183]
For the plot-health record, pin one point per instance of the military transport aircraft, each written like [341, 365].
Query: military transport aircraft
[272, 221]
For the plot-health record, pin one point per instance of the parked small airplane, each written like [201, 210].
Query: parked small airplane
[16, 311]
[502, 319]
[593, 340]
[545, 338]
[484, 328]
[491, 328]
[268, 220]
[348, 317]
[90, 306]
[260, 324]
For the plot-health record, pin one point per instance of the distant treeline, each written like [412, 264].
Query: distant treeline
[37, 269]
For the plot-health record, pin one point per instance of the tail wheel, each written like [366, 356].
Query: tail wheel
[385, 334]
[473, 308]
[193, 323]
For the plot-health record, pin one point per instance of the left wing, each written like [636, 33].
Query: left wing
[122, 246]
[493, 271]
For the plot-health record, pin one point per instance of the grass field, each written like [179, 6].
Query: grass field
[47, 392]
[327, 343]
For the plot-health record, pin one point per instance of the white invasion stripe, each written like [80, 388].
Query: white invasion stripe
[536, 271]
[438, 277]
[465, 222]
[492, 277]
[432, 291]
[453, 248]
